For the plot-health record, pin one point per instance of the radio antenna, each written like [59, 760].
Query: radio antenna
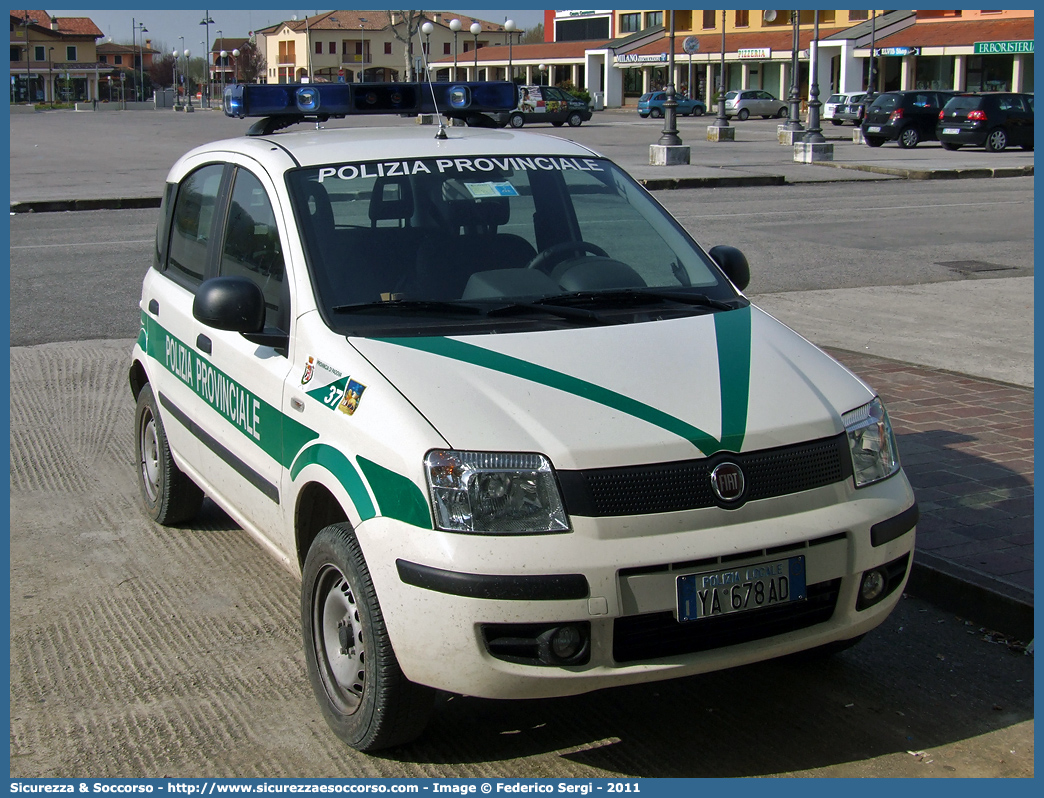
[427, 29]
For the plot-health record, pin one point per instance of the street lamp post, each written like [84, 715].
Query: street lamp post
[815, 132]
[509, 26]
[50, 80]
[188, 76]
[235, 62]
[794, 122]
[427, 29]
[476, 29]
[543, 74]
[177, 94]
[722, 120]
[26, 22]
[362, 45]
[223, 55]
[670, 135]
[206, 22]
[139, 94]
[455, 27]
[218, 41]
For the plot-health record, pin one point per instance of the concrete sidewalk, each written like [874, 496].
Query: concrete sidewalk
[960, 394]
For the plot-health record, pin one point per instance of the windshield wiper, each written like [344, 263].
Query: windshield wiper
[539, 306]
[411, 306]
[626, 297]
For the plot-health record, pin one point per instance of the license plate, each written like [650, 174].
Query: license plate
[748, 587]
[873, 129]
[950, 131]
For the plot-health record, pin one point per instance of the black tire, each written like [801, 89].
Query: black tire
[949, 145]
[996, 140]
[784, 113]
[743, 115]
[656, 113]
[516, 120]
[697, 110]
[873, 141]
[362, 692]
[558, 124]
[837, 122]
[170, 497]
[908, 138]
[575, 120]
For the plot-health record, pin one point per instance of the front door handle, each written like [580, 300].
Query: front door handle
[204, 344]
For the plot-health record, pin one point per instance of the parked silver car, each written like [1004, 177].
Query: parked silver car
[741, 104]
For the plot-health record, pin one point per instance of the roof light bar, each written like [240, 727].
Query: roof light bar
[301, 101]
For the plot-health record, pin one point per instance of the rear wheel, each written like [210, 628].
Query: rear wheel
[697, 110]
[743, 114]
[170, 497]
[656, 113]
[949, 145]
[996, 140]
[575, 119]
[908, 138]
[516, 120]
[837, 122]
[558, 124]
[873, 141]
[783, 113]
[362, 692]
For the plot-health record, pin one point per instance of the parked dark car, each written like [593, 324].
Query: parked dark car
[905, 117]
[852, 110]
[653, 104]
[993, 120]
[544, 104]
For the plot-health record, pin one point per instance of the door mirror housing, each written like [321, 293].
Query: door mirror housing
[235, 304]
[733, 263]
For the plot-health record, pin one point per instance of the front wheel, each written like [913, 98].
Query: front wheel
[362, 692]
[170, 497]
[575, 119]
[516, 120]
[743, 114]
[996, 140]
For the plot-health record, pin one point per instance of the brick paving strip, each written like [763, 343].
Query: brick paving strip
[966, 444]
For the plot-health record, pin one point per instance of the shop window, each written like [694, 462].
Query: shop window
[630, 23]
[710, 20]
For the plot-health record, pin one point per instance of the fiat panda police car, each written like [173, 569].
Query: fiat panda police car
[518, 432]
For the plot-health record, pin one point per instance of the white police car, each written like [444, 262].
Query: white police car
[520, 434]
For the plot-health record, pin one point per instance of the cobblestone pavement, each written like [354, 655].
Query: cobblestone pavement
[967, 446]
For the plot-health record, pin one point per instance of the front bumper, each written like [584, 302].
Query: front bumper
[440, 592]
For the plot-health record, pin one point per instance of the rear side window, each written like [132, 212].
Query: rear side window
[193, 222]
[1010, 102]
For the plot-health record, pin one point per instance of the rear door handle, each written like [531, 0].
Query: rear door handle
[204, 344]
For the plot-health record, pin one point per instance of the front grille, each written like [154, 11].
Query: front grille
[685, 485]
[658, 634]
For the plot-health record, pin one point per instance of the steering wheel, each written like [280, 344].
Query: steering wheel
[546, 259]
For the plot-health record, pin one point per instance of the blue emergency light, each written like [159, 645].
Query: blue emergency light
[287, 103]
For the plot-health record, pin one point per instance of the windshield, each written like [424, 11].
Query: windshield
[399, 247]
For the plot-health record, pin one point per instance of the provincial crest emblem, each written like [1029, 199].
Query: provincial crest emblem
[309, 371]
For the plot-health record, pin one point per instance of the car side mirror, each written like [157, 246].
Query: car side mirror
[733, 263]
[235, 304]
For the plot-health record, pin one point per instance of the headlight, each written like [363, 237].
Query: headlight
[874, 454]
[496, 493]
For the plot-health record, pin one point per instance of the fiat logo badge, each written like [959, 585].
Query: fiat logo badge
[728, 482]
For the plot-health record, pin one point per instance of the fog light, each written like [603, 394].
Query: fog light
[873, 587]
[566, 642]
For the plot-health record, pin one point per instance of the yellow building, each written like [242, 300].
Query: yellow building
[54, 58]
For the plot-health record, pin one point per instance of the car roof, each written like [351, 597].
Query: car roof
[313, 147]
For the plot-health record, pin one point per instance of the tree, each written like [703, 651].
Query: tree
[251, 63]
[411, 22]
[534, 35]
[161, 72]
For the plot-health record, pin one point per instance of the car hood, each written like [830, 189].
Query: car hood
[624, 394]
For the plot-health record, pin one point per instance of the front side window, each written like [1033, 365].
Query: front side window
[193, 219]
[458, 245]
[251, 248]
